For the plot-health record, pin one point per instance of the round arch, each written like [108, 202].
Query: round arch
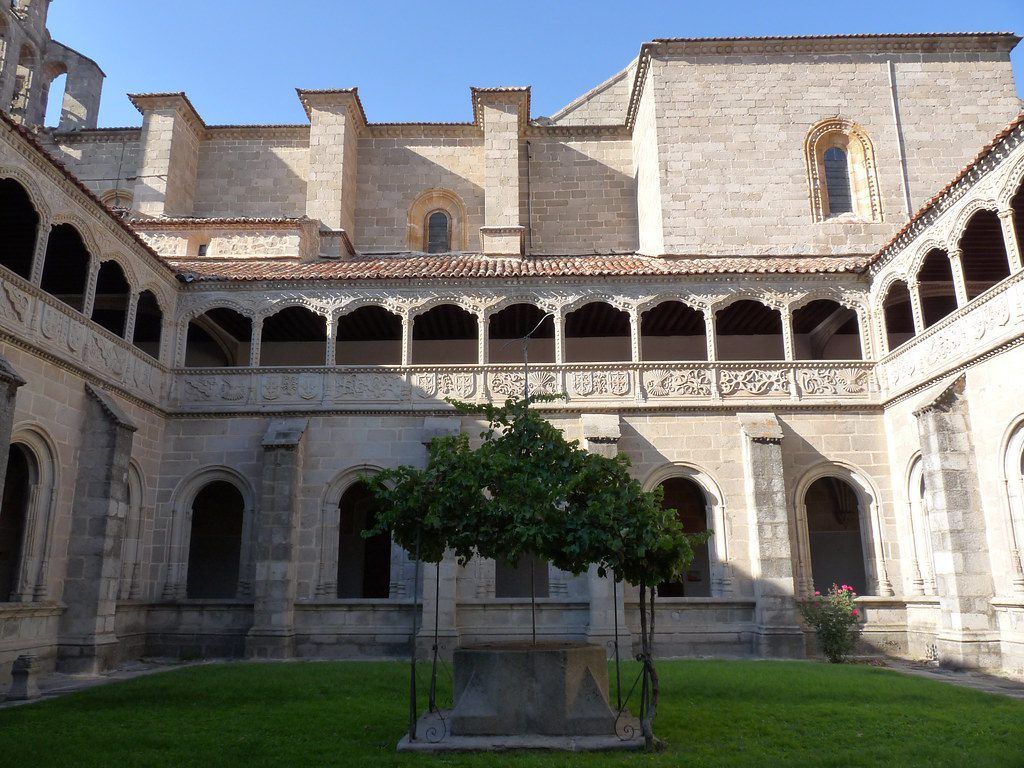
[44, 480]
[182, 499]
[869, 524]
[131, 542]
[430, 201]
[718, 549]
[1012, 452]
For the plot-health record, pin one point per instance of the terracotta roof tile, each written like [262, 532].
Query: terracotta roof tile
[27, 136]
[985, 150]
[422, 266]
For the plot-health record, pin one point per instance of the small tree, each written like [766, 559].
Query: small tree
[526, 489]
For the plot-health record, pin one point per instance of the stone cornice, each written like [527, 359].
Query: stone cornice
[179, 102]
[223, 223]
[519, 96]
[334, 98]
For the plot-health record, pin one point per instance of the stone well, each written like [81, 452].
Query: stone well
[547, 689]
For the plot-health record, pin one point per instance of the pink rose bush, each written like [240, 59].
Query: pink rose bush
[835, 621]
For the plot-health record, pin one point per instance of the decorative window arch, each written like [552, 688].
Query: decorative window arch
[421, 211]
[920, 528]
[41, 468]
[185, 495]
[857, 492]
[131, 542]
[718, 545]
[1013, 474]
[401, 566]
[438, 232]
[841, 172]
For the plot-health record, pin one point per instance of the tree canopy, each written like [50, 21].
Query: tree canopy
[526, 489]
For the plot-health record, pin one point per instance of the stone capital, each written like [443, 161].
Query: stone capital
[760, 427]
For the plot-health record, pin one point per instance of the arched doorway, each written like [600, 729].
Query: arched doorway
[834, 535]
[13, 517]
[687, 498]
[364, 564]
[215, 543]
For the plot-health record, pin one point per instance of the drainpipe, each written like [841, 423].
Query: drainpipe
[900, 144]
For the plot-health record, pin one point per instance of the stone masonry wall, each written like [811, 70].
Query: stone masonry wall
[394, 171]
[258, 177]
[731, 132]
[583, 195]
[101, 161]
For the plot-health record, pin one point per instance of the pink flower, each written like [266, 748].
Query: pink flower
[856, 612]
[847, 587]
[817, 594]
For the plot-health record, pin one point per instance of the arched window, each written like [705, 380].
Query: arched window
[294, 336]
[841, 172]
[23, 78]
[935, 287]
[597, 333]
[66, 266]
[673, 331]
[131, 543]
[920, 527]
[525, 578]
[505, 327]
[13, 518]
[834, 535]
[984, 256]
[439, 235]
[56, 77]
[110, 308]
[749, 330]
[149, 324]
[19, 228]
[898, 314]
[688, 500]
[215, 544]
[1013, 474]
[219, 338]
[826, 330]
[837, 181]
[364, 564]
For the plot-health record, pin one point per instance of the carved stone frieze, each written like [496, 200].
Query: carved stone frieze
[678, 382]
[600, 383]
[753, 381]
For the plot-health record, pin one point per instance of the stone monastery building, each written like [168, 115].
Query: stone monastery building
[782, 275]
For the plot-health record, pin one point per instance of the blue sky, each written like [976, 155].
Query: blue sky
[240, 60]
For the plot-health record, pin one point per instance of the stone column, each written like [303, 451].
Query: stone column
[89, 299]
[916, 311]
[1013, 245]
[172, 132]
[777, 633]
[439, 598]
[959, 286]
[10, 381]
[88, 643]
[407, 327]
[275, 542]
[560, 337]
[129, 320]
[501, 112]
[335, 118]
[482, 339]
[39, 254]
[255, 342]
[601, 435]
[967, 633]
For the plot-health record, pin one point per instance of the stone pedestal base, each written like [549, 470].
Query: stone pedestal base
[269, 645]
[519, 689]
[24, 684]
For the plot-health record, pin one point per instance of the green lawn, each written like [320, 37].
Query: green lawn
[714, 713]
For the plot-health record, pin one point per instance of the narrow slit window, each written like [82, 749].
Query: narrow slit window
[438, 232]
[837, 182]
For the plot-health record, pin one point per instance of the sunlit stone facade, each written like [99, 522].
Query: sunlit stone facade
[743, 262]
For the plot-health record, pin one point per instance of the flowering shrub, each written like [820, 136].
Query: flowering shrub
[835, 620]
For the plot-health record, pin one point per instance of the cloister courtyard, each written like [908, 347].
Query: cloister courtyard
[713, 713]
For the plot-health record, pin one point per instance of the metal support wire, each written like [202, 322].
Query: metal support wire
[412, 640]
[433, 666]
[618, 671]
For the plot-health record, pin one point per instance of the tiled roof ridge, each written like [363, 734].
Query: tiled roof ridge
[848, 36]
[937, 197]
